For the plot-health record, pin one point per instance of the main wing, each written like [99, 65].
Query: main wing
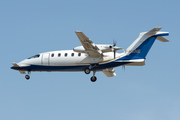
[109, 72]
[88, 45]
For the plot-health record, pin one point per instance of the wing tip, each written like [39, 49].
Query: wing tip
[78, 31]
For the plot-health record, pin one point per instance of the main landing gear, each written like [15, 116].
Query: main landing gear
[87, 71]
[28, 75]
[93, 78]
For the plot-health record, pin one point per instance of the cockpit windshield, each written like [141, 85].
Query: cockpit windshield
[35, 56]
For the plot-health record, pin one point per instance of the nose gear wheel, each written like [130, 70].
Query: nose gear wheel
[28, 76]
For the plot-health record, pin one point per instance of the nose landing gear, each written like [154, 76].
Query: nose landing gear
[87, 71]
[28, 75]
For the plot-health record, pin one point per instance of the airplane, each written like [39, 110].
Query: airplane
[92, 57]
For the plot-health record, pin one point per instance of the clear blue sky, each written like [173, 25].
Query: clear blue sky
[138, 93]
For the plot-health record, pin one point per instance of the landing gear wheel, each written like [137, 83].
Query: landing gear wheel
[87, 71]
[27, 77]
[93, 79]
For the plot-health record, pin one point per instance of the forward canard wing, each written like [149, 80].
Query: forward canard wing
[16, 65]
[88, 45]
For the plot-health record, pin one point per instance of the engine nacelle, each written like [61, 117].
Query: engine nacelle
[79, 49]
[108, 48]
[103, 48]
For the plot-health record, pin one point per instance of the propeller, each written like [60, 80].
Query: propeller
[115, 48]
[114, 45]
[123, 67]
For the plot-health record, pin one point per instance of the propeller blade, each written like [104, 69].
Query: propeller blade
[114, 45]
[114, 42]
[123, 67]
[115, 48]
[114, 54]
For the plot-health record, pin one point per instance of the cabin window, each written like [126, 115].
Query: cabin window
[72, 54]
[35, 56]
[52, 55]
[65, 54]
[79, 54]
[59, 54]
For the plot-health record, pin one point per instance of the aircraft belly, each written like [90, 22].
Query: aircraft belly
[70, 67]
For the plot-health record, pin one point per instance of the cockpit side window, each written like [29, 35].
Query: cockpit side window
[35, 56]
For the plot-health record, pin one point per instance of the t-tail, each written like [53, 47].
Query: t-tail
[138, 50]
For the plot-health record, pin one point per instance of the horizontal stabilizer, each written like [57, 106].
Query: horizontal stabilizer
[153, 31]
[162, 39]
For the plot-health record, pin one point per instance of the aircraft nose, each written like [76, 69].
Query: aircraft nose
[14, 68]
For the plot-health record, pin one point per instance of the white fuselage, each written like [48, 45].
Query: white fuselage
[67, 58]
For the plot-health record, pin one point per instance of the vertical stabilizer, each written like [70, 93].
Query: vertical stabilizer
[141, 46]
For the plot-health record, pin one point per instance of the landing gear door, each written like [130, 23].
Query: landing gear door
[45, 59]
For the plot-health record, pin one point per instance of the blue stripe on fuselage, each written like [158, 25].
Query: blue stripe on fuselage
[141, 51]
